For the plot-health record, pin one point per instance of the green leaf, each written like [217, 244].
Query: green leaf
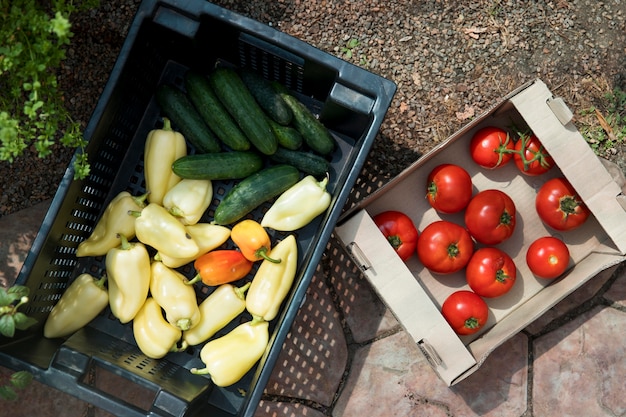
[5, 298]
[19, 291]
[22, 321]
[7, 325]
[7, 393]
[21, 379]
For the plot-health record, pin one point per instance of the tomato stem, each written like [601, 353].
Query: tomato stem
[568, 205]
[472, 323]
[453, 250]
[505, 218]
[501, 276]
[395, 241]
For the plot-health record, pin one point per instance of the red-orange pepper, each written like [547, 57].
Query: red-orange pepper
[221, 267]
[252, 240]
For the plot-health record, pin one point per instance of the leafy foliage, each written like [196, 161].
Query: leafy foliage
[11, 320]
[32, 110]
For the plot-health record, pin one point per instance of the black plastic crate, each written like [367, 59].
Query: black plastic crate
[166, 39]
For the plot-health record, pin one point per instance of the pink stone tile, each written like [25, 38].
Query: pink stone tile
[314, 355]
[366, 315]
[391, 377]
[282, 409]
[578, 297]
[579, 369]
[617, 292]
[17, 232]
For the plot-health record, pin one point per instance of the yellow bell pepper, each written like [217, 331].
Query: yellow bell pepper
[220, 308]
[206, 235]
[230, 357]
[156, 227]
[272, 281]
[128, 269]
[169, 289]
[298, 206]
[81, 302]
[162, 148]
[114, 221]
[189, 199]
[154, 336]
[253, 241]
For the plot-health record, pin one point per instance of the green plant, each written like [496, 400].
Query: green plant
[349, 51]
[10, 320]
[605, 128]
[32, 110]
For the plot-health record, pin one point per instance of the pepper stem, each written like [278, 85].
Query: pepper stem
[196, 371]
[184, 324]
[262, 253]
[240, 291]
[100, 283]
[141, 200]
[125, 244]
[193, 280]
[176, 212]
[167, 125]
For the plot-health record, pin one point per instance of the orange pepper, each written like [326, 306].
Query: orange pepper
[221, 267]
[252, 240]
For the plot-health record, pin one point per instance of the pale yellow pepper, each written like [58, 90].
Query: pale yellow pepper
[230, 357]
[298, 206]
[156, 227]
[217, 310]
[189, 199]
[154, 335]
[128, 270]
[81, 302]
[169, 289]
[162, 148]
[115, 221]
[272, 281]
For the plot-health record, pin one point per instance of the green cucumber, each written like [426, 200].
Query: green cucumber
[288, 137]
[253, 191]
[268, 98]
[315, 134]
[307, 162]
[218, 165]
[185, 117]
[213, 112]
[244, 109]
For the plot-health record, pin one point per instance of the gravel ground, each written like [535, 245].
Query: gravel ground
[450, 60]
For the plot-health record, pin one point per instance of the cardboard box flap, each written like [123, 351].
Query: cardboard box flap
[543, 113]
[396, 286]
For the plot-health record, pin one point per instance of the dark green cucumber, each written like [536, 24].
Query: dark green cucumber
[288, 137]
[307, 162]
[315, 134]
[213, 112]
[268, 98]
[218, 165]
[253, 191]
[242, 106]
[185, 117]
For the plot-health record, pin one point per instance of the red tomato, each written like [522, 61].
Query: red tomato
[559, 206]
[490, 272]
[491, 147]
[449, 188]
[490, 217]
[444, 247]
[531, 157]
[399, 230]
[465, 311]
[547, 257]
